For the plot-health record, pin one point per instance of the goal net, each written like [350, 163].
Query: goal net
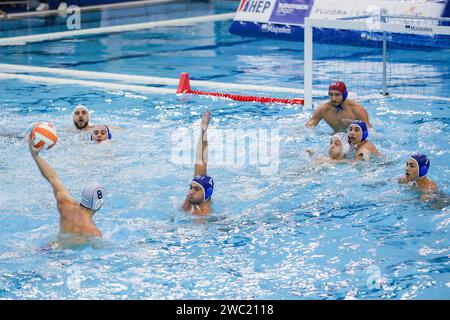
[378, 55]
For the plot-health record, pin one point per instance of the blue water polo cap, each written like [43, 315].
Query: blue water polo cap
[107, 129]
[109, 132]
[423, 163]
[363, 126]
[207, 184]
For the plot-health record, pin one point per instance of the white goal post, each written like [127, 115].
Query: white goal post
[381, 25]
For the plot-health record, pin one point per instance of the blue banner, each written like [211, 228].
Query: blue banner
[291, 11]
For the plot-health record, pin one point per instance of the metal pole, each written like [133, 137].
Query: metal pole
[384, 91]
[308, 62]
[384, 85]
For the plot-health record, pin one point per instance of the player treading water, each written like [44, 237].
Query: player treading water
[339, 111]
[198, 200]
[76, 217]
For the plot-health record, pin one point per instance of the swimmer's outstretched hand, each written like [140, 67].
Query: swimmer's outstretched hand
[34, 151]
[205, 120]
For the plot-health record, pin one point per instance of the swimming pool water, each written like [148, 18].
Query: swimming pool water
[305, 231]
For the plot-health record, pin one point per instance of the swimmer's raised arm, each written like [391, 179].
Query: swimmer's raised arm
[59, 190]
[198, 200]
[316, 117]
[201, 156]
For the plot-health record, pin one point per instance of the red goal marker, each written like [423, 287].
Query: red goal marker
[184, 86]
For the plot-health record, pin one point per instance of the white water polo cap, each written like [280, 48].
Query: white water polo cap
[92, 196]
[82, 107]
